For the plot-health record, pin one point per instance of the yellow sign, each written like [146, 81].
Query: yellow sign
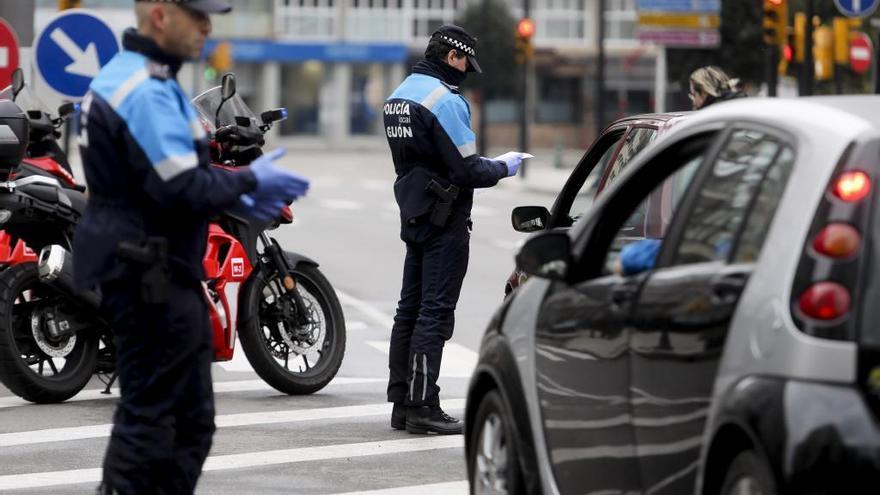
[675, 20]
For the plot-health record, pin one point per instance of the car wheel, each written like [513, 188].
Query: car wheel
[494, 461]
[748, 475]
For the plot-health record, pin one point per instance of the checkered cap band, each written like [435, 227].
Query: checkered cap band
[458, 44]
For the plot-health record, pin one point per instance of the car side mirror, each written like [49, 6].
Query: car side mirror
[17, 82]
[272, 116]
[546, 255]
[530, 218]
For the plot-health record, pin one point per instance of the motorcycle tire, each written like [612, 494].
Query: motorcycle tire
[23, 360]
[266, 348]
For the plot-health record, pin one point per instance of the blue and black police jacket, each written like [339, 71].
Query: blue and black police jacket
[146, 161]
[428, 125]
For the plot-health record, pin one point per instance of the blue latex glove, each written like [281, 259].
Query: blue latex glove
[275, 183]
[262, 211]
[513, 160]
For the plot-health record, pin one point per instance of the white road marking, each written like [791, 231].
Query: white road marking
[356, 325]
[219, 388]
[251, 459]
[377, 316]
[377, 185]
[222, 421]
[458, 361]
[508, 245]
[451, 488]
[342, 204]
[482, 211]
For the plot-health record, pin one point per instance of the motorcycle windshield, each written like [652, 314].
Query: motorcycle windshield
[208, 102]
[26, 99]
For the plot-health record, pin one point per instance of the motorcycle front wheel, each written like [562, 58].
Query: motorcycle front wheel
[294, 353]
[33, 364]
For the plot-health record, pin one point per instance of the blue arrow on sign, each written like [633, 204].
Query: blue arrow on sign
[857, 8]
[71, 50]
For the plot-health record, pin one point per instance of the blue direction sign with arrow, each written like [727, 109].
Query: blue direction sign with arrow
[70, 51]
[857, 8]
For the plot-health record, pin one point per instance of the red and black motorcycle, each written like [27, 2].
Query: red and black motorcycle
[278, 303]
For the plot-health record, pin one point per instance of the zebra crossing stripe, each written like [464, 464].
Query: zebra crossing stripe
[219, 388]
[251, 459]
[222, 421]
[452, 488]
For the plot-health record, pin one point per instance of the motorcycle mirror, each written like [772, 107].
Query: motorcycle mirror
[227, 91]
[276, 115]
[17, 82]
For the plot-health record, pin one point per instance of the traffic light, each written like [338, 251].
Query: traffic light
[219, 61]
[775, 21]
[841, 26]
[525, 30]
[69, 4]
[823, 52]
[800, 37]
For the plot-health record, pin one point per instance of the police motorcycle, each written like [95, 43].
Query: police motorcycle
[277, 303]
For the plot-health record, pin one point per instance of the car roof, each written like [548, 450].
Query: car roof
[840, 117]
[646, 118]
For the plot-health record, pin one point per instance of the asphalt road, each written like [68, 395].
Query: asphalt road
[335, 441]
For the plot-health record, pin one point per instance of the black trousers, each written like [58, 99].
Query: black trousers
[164, 421]
[433, 272]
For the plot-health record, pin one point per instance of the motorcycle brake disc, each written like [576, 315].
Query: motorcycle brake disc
[58, 350]
[308, 337]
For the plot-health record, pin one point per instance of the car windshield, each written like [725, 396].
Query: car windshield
[26, 99]
[208, 102]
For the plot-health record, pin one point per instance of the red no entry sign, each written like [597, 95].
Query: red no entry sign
[8, 53]
[861, 51]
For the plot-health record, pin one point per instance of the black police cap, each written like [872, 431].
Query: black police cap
[205, 6]
[459, 39]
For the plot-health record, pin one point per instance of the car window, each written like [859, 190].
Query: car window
[641, 235]
[637, 139]
[770, 193]
[731, 189]
[587, 192]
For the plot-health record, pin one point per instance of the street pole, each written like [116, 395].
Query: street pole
[660, 78]
[599, 103]
[808, 70]
[772, 79]
[525, 107]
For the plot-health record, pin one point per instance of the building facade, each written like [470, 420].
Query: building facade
[331, 63]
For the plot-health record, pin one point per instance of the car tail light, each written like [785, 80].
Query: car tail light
[825, 301]
[837, 240]
[852, 186]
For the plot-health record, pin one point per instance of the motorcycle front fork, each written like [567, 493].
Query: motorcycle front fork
[273, 255]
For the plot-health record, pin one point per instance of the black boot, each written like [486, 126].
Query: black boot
[431, 419]
[398, 416]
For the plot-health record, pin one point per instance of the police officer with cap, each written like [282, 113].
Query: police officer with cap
[427, 122]
[146, 161]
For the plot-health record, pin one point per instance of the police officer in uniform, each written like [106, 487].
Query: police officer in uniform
[146, 161]
[427, 122]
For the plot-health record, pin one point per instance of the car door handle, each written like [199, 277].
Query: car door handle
[728, 286]
[623, 294]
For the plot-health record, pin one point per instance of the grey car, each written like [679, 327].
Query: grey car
[735, 352]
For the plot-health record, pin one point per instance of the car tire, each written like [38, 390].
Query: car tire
[748, 475]
[494, 455]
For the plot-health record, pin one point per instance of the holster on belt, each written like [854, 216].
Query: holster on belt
[151, 258]
[443, 204]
